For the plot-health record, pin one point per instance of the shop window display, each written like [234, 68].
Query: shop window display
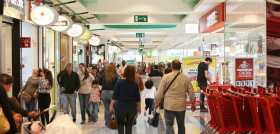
[245, 37]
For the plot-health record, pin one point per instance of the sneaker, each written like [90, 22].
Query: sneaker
[74, 120]
[203, 110]
[94, 123]
[91, 122]
[83, 122]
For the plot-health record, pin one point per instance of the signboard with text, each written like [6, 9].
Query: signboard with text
[25, 42]
[140, 35]
[140, 18]
[244, 72]
[190, 67]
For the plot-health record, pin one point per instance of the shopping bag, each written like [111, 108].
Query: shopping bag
[62, 125]
[112, 122]
[5, 125]
[154, 119]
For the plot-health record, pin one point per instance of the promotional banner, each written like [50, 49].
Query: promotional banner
[244, 72]
[190, 69]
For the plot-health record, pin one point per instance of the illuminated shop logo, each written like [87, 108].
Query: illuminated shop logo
[64, 23]
[244, 65]
[44, 16]
[212, 19]
[61, 23]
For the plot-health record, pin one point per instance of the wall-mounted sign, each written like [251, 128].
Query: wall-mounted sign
[87, 35]
[25, 42]
[18, 4]
[76, 30]
[88, 52]
[44, 16]
[212, 18]
[64, 23]
[94, 41]
[244, 72]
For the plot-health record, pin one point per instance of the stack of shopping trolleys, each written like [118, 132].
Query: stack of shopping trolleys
[244, 110]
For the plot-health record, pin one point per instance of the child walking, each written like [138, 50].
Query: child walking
[149, 93]
[94, 102]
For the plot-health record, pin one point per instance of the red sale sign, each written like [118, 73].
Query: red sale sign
[244, 72]
[25, 42]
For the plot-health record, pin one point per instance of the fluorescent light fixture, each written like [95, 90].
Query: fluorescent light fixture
[191, 28]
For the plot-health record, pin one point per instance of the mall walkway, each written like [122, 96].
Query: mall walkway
[194, 122]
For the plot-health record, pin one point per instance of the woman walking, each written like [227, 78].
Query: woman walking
[127, 94]
[108, 81]
[43, 94]
[86, 79]
[30, 88]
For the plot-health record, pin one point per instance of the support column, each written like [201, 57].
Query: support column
[16, 59]
[1, 53]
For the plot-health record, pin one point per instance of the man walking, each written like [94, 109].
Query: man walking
[174, 88]
[202, 78]
[70, 84]
[155, 72]
[168, 69]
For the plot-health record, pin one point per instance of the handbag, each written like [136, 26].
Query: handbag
[26, 97]
[161, 104]
[112, 122]
[5, 125]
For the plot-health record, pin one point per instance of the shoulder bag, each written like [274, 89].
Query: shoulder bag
[162, 102]
[26, 97]
[5, 125]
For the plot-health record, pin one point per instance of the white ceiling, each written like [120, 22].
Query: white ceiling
[163, 12]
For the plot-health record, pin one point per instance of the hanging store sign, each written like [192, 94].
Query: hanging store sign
[88, 52]
[44, 16]
[76, 30]
[213, 20]
[64, 23]
[25, 42]
[87, 35]
[94, 41]
[244, 72]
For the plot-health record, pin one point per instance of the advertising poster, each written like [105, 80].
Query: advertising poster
[244, 72]
[190, 69]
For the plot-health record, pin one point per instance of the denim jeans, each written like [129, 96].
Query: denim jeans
[202, 96]
[69, 99]
[84, 98]
[93, 110]
[106, 97]
[169, 121]
[31, 106]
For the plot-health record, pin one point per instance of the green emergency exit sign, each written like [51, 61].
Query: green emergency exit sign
[140, 18]
[140, 35]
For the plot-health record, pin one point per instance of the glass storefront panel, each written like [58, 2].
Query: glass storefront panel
[51, 56]
[80, 54]
[245, 37]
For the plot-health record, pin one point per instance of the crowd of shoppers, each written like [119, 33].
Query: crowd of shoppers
[119, 89]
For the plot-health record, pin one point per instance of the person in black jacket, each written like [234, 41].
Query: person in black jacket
[168, 69]
[155, 72]
[9, 105]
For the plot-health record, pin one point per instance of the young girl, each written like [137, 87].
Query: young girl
[43, 93]
[94, 102]
[149, 93]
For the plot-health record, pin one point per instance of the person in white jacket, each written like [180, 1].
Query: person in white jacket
[149, 93]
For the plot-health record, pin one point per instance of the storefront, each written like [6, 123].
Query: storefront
[11, 33]
[79, 54]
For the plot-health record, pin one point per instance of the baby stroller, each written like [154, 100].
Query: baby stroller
[61, 125]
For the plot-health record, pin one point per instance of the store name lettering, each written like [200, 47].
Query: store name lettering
[18, 3]
[194, 63]
[61, 23]
[212, 19]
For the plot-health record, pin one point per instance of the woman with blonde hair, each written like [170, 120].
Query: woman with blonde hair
[108, 81]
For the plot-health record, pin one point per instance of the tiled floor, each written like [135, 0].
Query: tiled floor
[194, 122]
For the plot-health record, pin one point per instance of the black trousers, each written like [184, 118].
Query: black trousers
[202, 96]
[125, 117]
[44, 101]
[149, 104]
